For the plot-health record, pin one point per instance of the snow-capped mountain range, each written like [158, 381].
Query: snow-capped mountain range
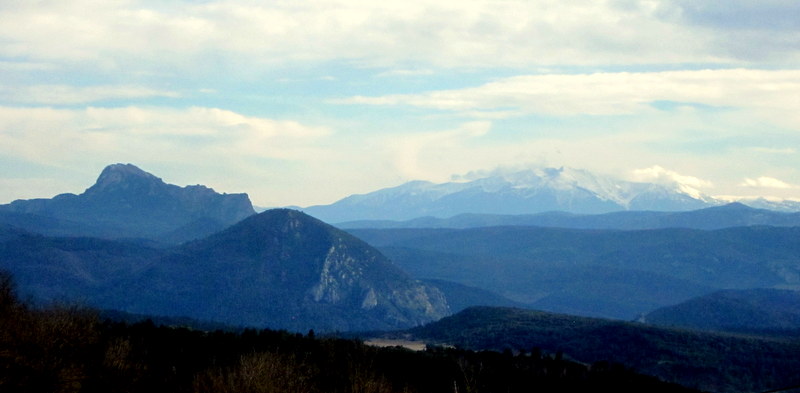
[515, 192]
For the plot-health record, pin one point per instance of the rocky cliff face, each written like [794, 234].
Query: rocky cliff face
[376, 287]
[129, 202]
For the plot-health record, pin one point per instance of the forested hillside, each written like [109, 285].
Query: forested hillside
[702, 360]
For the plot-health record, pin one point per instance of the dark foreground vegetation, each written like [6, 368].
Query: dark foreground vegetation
[717, 362]
[69, 349]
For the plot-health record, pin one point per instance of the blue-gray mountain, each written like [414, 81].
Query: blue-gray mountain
[127, 202]
[717, 217]
[525, 192]
[277, 269]
[602, 273]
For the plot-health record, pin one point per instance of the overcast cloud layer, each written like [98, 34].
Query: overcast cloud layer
[301, 102]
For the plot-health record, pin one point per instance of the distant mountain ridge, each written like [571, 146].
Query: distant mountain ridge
[603, 273]
[504, 192]
[129, 202]
[278, 269]
[717, 217]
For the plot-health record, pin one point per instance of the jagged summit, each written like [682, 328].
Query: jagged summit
[128, 182]
[127, 201]
[117, 171]
[116, 174]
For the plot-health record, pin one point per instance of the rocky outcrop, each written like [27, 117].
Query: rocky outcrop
[377, 287]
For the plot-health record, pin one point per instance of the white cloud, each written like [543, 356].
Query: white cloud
[269, 158]
[68, 95]
[415, 155]
[29, 188]
[230, 53]
[774, 95]
[776, 150]
[21, 66]
[766, 182]
[49, 135]
[140, 34]
[657, 174]
[741, 14]
[406, 72]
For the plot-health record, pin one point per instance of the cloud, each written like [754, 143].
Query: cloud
[29, 188]
[48, 135]
[770, 15]
[772, 94]
[776, 150]
[406, 72]
[656, 174]
[20, 66]
[766, 182]
[69, 95]
[148, 35]
[203, 56]
[415, 155]
[270, 158]
[741, 30]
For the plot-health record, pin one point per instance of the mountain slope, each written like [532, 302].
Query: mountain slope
[734, 310]
[73, 269]
[278, 269]
[129, 202]
[317, 271]
[503, 192]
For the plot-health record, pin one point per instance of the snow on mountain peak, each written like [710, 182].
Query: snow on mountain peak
[518, 191]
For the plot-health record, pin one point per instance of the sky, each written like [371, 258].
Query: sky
[306, 102]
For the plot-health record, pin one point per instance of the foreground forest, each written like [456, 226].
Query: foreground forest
[704, 360]
[70, 349]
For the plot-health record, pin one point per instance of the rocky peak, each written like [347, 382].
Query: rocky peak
[123, 176]
[126, 201]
